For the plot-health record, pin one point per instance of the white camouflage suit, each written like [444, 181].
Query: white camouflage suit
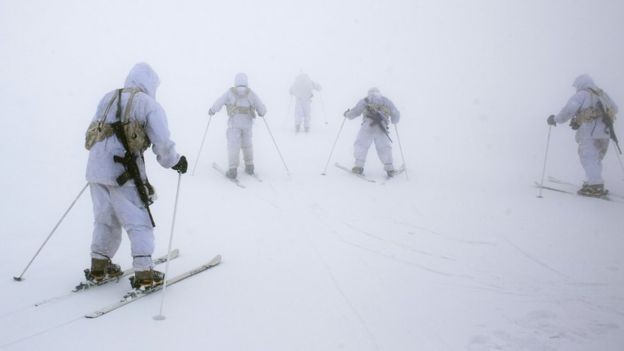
[593, 135]
[117, 206]
[241, 103]
[369, 133]
[303, 89]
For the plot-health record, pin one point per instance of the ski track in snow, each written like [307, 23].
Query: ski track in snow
[40, 332]
[395, 243]
[535, 260]
[334, 280]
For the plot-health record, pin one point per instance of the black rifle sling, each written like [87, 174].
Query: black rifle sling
[377, 117]
[131, 168]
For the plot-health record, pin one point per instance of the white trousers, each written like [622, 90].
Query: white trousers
[302, 112]
[367, 135]
[591, 152]
[237, 139]
[115, 207]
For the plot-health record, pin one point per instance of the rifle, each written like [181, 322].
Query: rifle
[378, 119]
[130, 165]
[609, 123]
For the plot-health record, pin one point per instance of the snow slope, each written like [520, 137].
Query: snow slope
[460, 256]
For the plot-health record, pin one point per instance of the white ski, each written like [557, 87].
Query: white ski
[136, 294]
[86, 285]
[397, 172]
[361, 176]
[606, 197]
[222, 171]
[570, 184]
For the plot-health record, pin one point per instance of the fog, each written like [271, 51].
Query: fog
[474, 81]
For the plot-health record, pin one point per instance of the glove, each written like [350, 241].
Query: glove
[574, 124]
[211, 113]
[345, 113]
[551, 120]
[181, 166]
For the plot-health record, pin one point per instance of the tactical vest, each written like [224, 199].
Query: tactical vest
[138, 141]
[376, 112]
[235, 108]
[594, 112]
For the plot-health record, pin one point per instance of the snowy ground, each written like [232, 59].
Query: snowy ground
[460, 256]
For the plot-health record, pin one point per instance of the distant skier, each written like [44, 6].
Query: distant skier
[303, 90]
[127, 121]
[378, 111]
[592, 113]
[242, 104]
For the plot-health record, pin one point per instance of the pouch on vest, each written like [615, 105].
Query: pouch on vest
[234, 109]
[594, 111]
[138, 141]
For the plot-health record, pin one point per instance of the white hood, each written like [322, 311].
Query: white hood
[374, 92]
[584, 81]
[240, 80]
[143, 77]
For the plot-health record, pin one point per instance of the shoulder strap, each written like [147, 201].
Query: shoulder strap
[133, 92]
[110, 103]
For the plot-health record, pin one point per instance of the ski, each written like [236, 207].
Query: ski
[86, 285]
[604, 197]
[566, 183]
[361, 176]
[255, 176]
[136, 294]
[220, 170]
[558, 181]
[538, 185]
[397, 172]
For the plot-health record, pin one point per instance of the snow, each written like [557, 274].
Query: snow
[462, 255]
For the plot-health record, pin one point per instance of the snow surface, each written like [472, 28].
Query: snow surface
[460, 256]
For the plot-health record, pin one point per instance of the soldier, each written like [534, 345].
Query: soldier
[592, 113]
[378, 111]
[126, 123]
[303, 90]
[242, 104]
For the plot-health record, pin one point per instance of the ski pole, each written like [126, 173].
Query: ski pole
[334, 146]
[19, 279]
[396, 129]
[619, 160]
[545, 159]
[274, 143]
[160, 316]
[202, 144]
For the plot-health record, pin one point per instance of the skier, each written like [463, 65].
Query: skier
[592, 113]
[303, 91]
[127, 121]
[377, 109]
[242, 104]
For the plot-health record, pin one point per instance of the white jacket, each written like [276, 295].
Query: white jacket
[379, 102]
[243, 97]
[101, 168]
[303, 88]
[584, 99]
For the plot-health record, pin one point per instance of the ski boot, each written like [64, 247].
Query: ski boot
[102, 269]
[144, 280]
[231, 173]
[306, 130]
[249, 169]
[391, 173]
[595, 190]
[357, 170]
